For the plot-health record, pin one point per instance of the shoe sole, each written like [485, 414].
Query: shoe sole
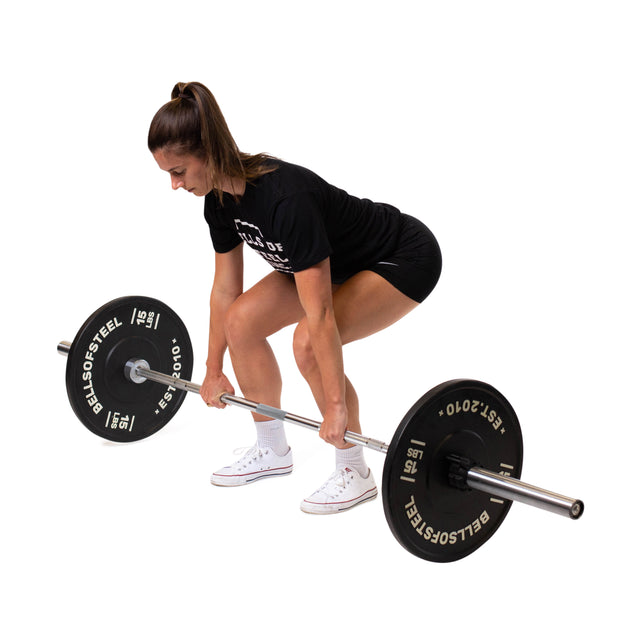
[241, 481]
[319, 509]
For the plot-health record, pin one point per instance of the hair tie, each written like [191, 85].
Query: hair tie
[184, 96]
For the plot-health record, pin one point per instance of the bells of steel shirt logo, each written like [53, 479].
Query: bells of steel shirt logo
[272, 252]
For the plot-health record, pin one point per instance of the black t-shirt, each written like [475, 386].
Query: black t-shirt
[294, 220]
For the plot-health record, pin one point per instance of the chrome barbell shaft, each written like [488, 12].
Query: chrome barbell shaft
[477, 477]
[256, 407]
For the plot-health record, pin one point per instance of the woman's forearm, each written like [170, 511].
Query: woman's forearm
[227, 286]
[219, 305]
[327, 349]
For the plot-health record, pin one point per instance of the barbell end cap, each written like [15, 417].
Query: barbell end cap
[577, 509]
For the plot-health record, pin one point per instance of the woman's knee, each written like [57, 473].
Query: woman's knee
[240, 326]
[302, 349]
[266, 308]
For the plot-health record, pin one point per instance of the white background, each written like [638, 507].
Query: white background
[510, 128]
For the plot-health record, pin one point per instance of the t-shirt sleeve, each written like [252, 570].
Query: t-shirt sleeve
[224, 235]
[299, 224]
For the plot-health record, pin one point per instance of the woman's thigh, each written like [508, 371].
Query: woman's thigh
[363, 305]
[270, 305]
[366, 304]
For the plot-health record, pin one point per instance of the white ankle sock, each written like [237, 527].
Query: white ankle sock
[353, 457]
[271, 434]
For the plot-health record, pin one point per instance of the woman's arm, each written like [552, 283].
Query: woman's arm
[227, 286]
[316, 296]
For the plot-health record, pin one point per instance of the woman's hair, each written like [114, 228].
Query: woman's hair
[192, 123]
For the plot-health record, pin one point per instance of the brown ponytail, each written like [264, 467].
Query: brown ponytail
[192, 123]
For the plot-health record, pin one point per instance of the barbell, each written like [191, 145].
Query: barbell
[451, 470]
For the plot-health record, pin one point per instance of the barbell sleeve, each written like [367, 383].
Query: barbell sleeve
[64, 347]
[514, 489]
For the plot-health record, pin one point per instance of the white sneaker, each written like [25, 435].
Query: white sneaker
[345, 489]
[255, 464]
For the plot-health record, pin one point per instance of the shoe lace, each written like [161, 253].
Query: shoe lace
[252, 452]
[338, 480]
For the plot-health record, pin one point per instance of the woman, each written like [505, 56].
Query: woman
[344, 268]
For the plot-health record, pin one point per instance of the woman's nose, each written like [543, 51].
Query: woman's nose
[176, 182]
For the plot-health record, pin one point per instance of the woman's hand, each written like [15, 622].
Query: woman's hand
[334, 426]
[214, 385]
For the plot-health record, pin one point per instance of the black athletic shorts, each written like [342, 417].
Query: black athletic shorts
[415, 265]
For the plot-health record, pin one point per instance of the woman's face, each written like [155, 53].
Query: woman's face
[187, 172]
